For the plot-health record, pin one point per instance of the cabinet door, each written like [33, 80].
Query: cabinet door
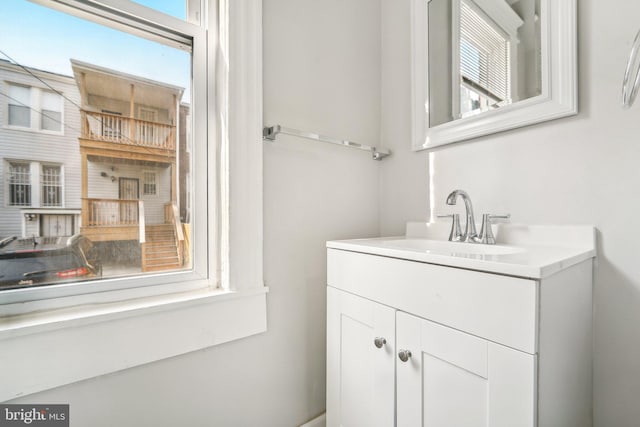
[456, 379]
[360, 375]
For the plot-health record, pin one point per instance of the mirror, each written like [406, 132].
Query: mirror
[484, 66]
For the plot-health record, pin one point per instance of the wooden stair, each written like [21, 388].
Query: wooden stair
[161, 250]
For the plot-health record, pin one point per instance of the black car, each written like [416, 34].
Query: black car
[46, 260]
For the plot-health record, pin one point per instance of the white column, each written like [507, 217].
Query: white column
[36, 188]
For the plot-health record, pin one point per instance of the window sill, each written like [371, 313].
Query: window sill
[52, 348]
[34, 130]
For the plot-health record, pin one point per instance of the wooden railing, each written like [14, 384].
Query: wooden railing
[125, 130]
[172, 216]
[109, 212]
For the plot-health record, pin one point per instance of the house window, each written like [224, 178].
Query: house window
[122, 116]
[485, 78]
[149, 187]
[34, 108]
[202, 298]
[51, 111]
[148, 114]
[19, 106]
[19, 184]
[42, 188]
[148, 127]
[51, 182]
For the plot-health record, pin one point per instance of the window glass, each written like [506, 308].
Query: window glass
[484, 62]
[51, 111]
[51, 186]
[117, 100]
[19, 184]
[19, 106]
[149, 184]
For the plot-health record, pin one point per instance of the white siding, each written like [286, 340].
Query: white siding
[18, 144]
[104, 188]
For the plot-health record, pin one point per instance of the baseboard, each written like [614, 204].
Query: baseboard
[319, 421]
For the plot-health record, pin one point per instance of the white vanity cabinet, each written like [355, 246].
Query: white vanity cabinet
[486, 349]
[456, 379]
[361, 392]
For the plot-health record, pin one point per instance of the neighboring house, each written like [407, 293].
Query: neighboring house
[39, 154]
[129, 163]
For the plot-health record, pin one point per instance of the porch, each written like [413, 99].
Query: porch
[111, 219]
[163, 246]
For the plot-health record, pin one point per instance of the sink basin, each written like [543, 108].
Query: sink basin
[449, 248]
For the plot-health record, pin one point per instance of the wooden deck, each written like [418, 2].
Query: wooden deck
[125, 130]
[110, 219]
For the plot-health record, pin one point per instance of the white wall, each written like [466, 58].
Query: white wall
[580, 170]
[322, 74]
[404, 177]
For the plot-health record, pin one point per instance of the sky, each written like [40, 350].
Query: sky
[39, 37]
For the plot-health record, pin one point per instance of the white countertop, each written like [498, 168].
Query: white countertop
[524, 251]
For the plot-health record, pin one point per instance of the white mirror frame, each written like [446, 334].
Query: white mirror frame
[559, 97]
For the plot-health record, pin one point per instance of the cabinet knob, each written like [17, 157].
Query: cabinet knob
[404, 355]
[379, 342]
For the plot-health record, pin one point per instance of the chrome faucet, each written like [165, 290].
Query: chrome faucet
[470, 234]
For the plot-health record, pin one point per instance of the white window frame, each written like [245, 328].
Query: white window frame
[101, 331]
[142, 110]
[156, 192]
[35, 109]
[507, 25]
[9, 164]
[42, 113]
[11, 101]
[42, 185]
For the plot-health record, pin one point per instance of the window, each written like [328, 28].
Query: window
[19, 184]
[34, 108]
[34, 184]
[51, 186]
[148, 124]
[149, 184]
[186, 310]
[19, 106]
[485, 75]
[148, 114]
[121, 130]
[51, 111]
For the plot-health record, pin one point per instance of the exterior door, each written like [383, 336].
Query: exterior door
[147, 126]
[456, 379]
[360, 371]
[56, 225]
[129, 189]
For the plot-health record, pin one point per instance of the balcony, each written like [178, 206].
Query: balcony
[113, 132]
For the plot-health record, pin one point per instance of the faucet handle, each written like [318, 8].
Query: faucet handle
[486, 234]
[455, 235]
